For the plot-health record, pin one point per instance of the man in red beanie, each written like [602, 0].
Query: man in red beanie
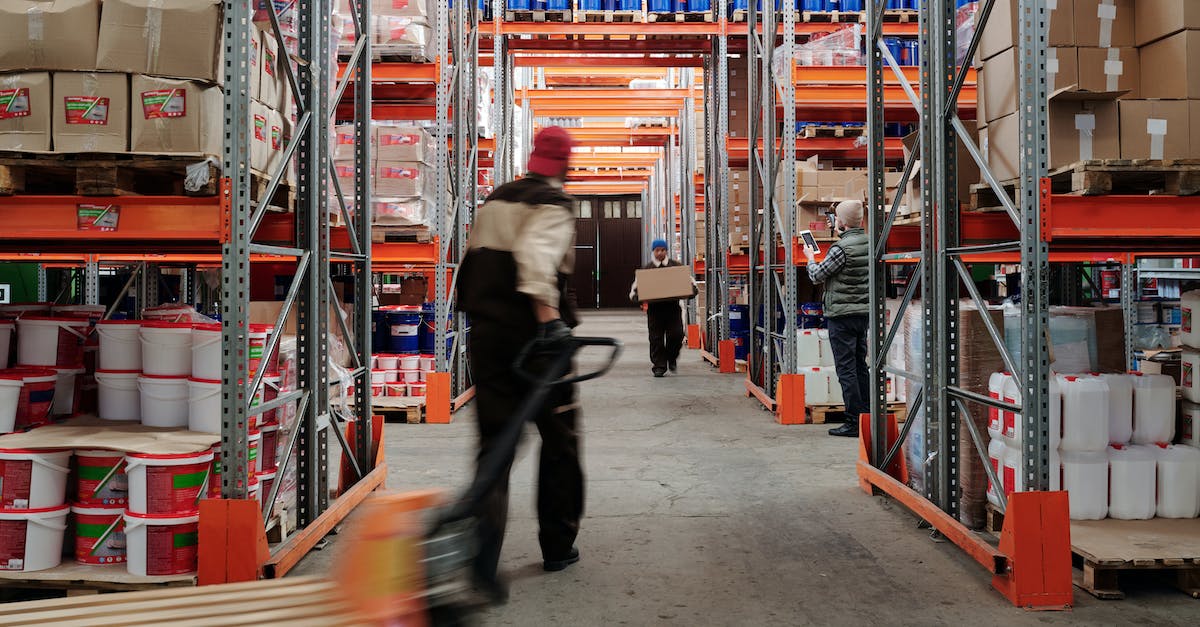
[514, 284]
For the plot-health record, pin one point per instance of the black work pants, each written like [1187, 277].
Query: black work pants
[499, 393]
[665, 323]
[848, 339]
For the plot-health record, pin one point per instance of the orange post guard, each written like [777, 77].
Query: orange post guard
[789, 397]
[1037, 540]
[694, 338]
[437, 398]
[726, 356]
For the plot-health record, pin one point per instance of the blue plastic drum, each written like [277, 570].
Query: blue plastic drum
[741, 346]
[558, 5]
[404, 327]
[629, 5]
[895, 45]
[850, 5]
[660, 6]
[739, 319]
[379, 331]
[698, 6]
[912, 55]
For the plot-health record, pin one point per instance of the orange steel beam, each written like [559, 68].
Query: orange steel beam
[601, 189]
[385, 72]
[157, 218]
[597, 62]
[608, 109]
[610, 28]
[589, 175]
[617, 95]
[856, 75]
[614, 160]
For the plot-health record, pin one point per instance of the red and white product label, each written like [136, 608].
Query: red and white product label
[14, 103]
[269, 62]
[164, 103]
[260, 128]
[174, 489]
[344, 171]
[276, 137]
[1186, 375]
[399, 173]
[345, 139]
[399, 139]
[1010, 479]
[86, 110]
[12, 544]
[15, 476]
[102, 481]
[398, 30]
[400, 4]
[100, 539]
[171, 549]
[98, 217]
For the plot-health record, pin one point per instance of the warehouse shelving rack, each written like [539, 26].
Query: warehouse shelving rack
[232, 232]
[1032, 565]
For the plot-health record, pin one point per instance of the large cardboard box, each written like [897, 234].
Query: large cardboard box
[177, 38]
[1075, 127]
[1062, 70]
[176, 116]
[255, 61]
[1110, 70]
[1000, 34]
[403, 143]
[669, 283]
[1171, 67]
[400, 8]
[401, 179]
[1155, 129]
[1156, 19]
[344, 170]
[91, 112]
[839, 185]
[260, 138]
[55, 35]
[999, 76]
[1104, 23]
[270, 90]
[25, 111]
[277, 135]
[1194, 124]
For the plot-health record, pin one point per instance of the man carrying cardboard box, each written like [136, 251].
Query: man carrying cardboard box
[846, 275]
[660, 296]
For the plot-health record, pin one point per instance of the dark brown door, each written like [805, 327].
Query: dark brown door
[620, 248]
[586, 247]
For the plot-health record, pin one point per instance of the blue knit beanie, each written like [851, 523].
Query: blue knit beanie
[658, 243]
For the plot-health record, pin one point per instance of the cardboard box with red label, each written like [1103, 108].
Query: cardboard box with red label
[91, 112]
[25, 111]
[176, 116]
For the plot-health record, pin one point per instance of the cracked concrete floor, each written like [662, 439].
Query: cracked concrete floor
[702, 511]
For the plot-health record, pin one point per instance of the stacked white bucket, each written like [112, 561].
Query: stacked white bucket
[814, 358]
[143, 371]
[1189, 336]
[33, 508]
[1110, 446]
[400, 375]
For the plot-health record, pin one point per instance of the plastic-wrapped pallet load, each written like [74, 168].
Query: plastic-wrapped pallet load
[56, 35]
[25, 106]
[979, 357]
[177, 38]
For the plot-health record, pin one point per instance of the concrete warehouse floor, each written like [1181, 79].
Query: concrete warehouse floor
[702, 511]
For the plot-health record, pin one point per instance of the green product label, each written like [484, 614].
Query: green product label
[189, 480]
[94, 473]
[190, 538]
[85, 530]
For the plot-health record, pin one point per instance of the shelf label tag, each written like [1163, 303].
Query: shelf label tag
[5, 293]
[98, 217]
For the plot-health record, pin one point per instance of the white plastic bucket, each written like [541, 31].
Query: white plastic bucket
[996, 450]
[39, 545]
[1189, 379]
[387, 362]
[20, 310]
[396, 389]
[6, 332]
[379, 376]
[167, 348]
[1085, 478]
[167, 484]
[254, 454]
[428, 362]
[120, 344]
[33, 479]
[171, 313]
[816, 386]
[416, 389]
[99, 534]
[51, 341]
[118, 396]
[409, 362]
[206, 351]
[1012, 421]
[409, 376]
[1178, 482]
[10, 397]
[1189, 329]
[1132, 486]
[391, 376]
[1189, 424]
[164, 400]
[1013, 470]
[808, 348]
[204, 405]
[67, 391]
[1084, 413]
[161, 544]
[1153, 408]
[826, 348]
[100, 479]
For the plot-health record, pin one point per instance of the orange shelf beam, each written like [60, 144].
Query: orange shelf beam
[804, 75]
[386, 72]
[604, 188]
[630, 29]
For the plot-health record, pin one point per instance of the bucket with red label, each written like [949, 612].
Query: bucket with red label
[161, 544]
[268, 447]
[46, 341]
[33, 479]
[100, 479]
[167, 484]
[32, 539]
[36, 399]
[259, 336]
[99, 534]
[214, 476]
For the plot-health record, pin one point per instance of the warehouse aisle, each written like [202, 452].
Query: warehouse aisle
[702, 511]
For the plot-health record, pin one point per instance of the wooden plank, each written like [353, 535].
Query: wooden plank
[70, 575]
[266, 586]
[1136, 540]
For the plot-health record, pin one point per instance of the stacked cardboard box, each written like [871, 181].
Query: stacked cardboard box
[401, 173]
[398, 27]
[129, 76]
[1123, 81]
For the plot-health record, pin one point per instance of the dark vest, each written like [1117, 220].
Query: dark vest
[849, 291]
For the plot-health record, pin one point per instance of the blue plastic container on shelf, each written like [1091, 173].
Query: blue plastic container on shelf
[379, 330]
[518, 5]
[814, 5]
[739, 319]
[404, 327]
[660, 6]
[698, 6]
[895, 45]
[912, 55]
[739, 5]
[558, 5]
[426, 332]
[741, 345]
[629, 5]
[850, 6]
[592, 5]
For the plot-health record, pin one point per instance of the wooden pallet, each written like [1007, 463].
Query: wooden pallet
[819, 414]
[908, 220]
[995, 519]
[400, 234]
[292, 601]
[811, 131]
[103, 174]
[538, 16]
[409, 410]
[1106, 551]
[1101, 178]
[704, 16]
[613, 16]
[282, 201]
[79, 579]
[901, 16]
[831, 17]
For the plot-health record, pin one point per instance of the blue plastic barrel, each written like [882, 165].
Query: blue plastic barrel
[404, 327]
[660, 6]
[850, 5]
[741, 345]
[426, 333]
[739, 319]
[739, 5]
[629, 5]
[698, 6]
[518, 5]
[379, 330]
[558, 5]
[911, 53]
[597, 5]
[812, 5]
[895, 45]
